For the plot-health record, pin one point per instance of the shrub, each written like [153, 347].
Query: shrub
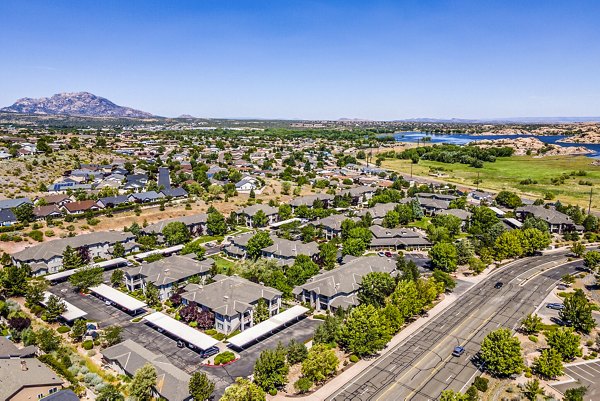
[320, 317]
[481, 384]
[36, 235]
[210, 332]
[303, 384]
[273, 392]
[533, 339]
[354, 358]
[63, 329]
[87, 345]
[224, 357]
[49, 233]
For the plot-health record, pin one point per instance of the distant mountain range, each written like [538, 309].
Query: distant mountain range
[83, 104]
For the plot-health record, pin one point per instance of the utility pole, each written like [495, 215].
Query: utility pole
[478, 180]
[590, 203]
[411, 163]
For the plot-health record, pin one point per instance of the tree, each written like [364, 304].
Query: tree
[24, 213]
[112, 335]
[328, 255]
[271, 369]
[259, 219]
[78, 329]
[534, 240]
[261, 312]
[302, 269]
[320, 364]
[86, 277]
[508, 245]
[508, 199]
[34, 294]
[464, 251]
[296, 352]
[109, 393]
[143, 382]
[591, 259]
[329, 331]
[532, 389]
[444, 256]
[54, 308]
[285, 211]
[578, 249]
[501, 353]
[118, 250]
[215, 223]
[152, 294]
[565, 342]
[200, 387]
[575, 394]
[354, 247]
[548, 364]
[71, 258]
[451, 395]
[243, 390]
[445, 279]
[47, 340]
[255, 245]
[375, 287]
[578, 311]
[531, 324]
[176, 232]
[117, 277]
[451, 223]
[408, 269]
[365, 331]
[406, 298]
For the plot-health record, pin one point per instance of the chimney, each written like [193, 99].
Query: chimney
[24, 365]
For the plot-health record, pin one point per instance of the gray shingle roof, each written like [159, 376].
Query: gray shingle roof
[290, 249]
[252, 210]
[14, 376]
[195, 219]
[170, 270]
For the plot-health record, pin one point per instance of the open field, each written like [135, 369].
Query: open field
[507, 173]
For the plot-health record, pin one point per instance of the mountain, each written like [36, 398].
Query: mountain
[74, 104]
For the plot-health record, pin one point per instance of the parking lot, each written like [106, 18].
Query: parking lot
[184, 358]
[582, 374]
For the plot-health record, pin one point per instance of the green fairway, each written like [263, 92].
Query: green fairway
[508, 173]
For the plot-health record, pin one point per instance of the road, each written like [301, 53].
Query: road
[422, 367]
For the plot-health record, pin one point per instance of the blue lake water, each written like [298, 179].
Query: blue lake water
[462, 139]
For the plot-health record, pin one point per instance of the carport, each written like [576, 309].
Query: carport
[182, 331]
[165, 252]
[71, 313]
[106, 265]
[267, 327]
[123, 300]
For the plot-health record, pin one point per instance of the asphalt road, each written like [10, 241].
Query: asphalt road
[422, 367]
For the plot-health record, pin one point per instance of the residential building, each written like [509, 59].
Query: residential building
[27, 379]
[557, 222]
[195, 223]
[249, 212]
[332, 225]
[397, 238]
[285, 251]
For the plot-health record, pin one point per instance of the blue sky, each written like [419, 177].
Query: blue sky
[309, 59]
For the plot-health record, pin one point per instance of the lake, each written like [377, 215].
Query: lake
[463, 139]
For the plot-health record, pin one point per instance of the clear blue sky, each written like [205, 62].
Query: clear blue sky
[309, 59]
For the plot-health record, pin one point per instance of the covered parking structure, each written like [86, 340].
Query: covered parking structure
[164, 252]
[267, 327]
[193, 337]
[117, 297]
[106, 265]
[71, 312]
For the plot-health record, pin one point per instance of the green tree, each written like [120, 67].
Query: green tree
[508, 199]
[354, 247]
[406, 298]
[408, 269]
[176, 233]
[329, 331]
[271, 369]
[86, 277]
[54, 308]
[445, 279]
[215, 223]
[302, 269]
[375, 287]
[143, 382]
[320, 364]
[111, 335]
[200, 387]
[534, 240]
[548, 364]
[109, 393]
[575, 394]
[296, 352]
[531, 324]
[578, 311]
[71, 259]
[444, 256]
[24, 213]
[451, 223]
[451, 395]
[79, 329]
[501, 353]
[117, 277]
[285, 211]
[261, 312]
[591, 259]
[47, 340]
[565, 342]
[118, 250]
[14, 279]
[259, 219]
[532, 389]
[152, 294]
[243, 390]
[508, 245]
[365, 331]
[34, 293]
[578, 249]
[255, 245]
[464, 251]
[328, 255]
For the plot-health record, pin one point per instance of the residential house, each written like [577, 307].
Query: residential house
[46, 257]
[397, 238]
[557, 222]
[332, 225]
[338, 288]
[195, 223]
[246, 185]
[432, 205]
[47, 211]
[237, 245]
[249, 212]
[360, 194]
[145, 197]
[27, 379]
[13, 203]
[286, 251]
[176, 193]
[126, 358]
[80, 207]
[112, 201]
[309, 200]
[166, 273]
[233, 301]
[7, 218]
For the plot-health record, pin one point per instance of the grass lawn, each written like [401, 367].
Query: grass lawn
[508, 172]
[422, 224]
[222, 263]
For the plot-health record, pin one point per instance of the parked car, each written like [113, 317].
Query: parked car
[498, 285]
[380, 254]
[180, 344]
[210, 352]
[388, 254]
[555, 306]
[458, 351]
